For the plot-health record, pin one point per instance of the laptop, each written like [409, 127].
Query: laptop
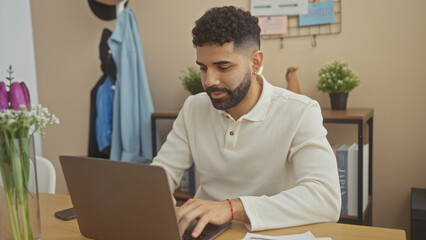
[122, 200]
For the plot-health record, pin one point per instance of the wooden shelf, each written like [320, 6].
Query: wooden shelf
[327, 113]
[167, 114]
[360, 117]
[352, 219]
[348, 114]
[181, 195]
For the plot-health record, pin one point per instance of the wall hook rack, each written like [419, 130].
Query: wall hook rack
[295, 30]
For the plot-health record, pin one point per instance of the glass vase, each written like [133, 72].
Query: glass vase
[19, 202]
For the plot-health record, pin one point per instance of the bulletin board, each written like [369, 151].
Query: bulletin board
[295, 29]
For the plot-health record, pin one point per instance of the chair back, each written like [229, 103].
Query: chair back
[46, 176]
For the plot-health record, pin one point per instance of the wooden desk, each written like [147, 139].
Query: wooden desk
[53, 228]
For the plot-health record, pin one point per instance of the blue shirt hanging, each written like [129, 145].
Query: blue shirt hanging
[131, 135]
[104, 108]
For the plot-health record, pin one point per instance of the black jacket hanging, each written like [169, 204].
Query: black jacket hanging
[108, 68]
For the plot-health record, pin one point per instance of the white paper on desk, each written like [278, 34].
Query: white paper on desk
[303, 236]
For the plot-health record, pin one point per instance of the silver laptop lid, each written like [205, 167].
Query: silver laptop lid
[120, 200]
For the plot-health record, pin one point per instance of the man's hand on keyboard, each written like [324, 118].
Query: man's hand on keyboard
[205, 212]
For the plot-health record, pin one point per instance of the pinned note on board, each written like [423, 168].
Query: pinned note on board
[278, 7]
[318, 13]
[273, 25]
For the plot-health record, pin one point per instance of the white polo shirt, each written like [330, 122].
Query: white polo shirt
[275, 158]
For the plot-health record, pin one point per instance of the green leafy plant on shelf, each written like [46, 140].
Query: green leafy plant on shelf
[191, 80]
[336, 77]
[338, 80]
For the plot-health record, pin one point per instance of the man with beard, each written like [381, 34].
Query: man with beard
[260, 151]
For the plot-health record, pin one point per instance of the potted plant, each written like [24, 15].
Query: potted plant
[338, 80]
[191, 81]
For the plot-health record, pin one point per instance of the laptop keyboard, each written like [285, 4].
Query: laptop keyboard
[209, 232]
[189, 229]
[187, 236]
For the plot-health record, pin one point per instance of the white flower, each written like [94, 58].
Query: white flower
[45, 110]
[32, 119]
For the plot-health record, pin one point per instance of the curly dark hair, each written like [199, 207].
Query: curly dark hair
[221, 25]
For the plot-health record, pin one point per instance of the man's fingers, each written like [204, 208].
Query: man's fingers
[184, 209]
[187, 213]
[182, 227]
[205, 211]
[185, 221]
[199, 227]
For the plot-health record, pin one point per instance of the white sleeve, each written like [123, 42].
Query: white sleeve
[175, 156]
[316, 194]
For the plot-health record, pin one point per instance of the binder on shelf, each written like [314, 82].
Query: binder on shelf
[352, 161]
[341, 151]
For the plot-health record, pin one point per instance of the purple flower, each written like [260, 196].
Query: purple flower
[4, 102]
[26, 94]
[19, 95]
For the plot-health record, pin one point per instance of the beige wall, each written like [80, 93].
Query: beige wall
[383, 40]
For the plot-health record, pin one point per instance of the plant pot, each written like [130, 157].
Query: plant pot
[338, 100]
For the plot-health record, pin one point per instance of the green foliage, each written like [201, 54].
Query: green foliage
[191, 81]
[336, 77]
[10, 78]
